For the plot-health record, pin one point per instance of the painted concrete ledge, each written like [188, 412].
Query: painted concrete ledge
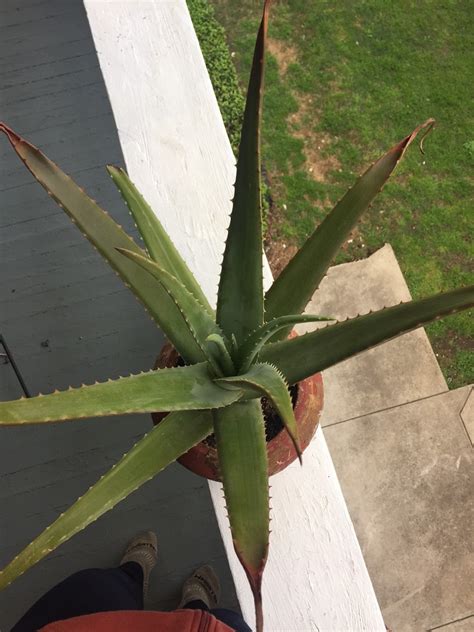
[177, 152]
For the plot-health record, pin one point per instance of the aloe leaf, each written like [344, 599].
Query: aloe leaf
[157, 241]
[253, 344]
[240, 295]
[243, 465]
[195, 317]
[182, 388]
[234, 345]
[295, 286]
[269, 382]
[303, 356]
[174, 436]
[106, 235]
[217, 347]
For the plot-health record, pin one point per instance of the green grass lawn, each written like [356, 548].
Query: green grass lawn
[345, 81]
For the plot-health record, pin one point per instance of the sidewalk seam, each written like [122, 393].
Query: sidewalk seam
[382, 410]
[443, 625]
[462, 419]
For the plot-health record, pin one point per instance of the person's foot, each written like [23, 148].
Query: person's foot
[142, 549]
[203, 585]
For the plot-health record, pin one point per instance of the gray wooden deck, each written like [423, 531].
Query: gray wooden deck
[68, 319]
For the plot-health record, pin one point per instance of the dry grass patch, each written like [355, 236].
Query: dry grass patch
[316, 144]
[301, 124]
[284, 53]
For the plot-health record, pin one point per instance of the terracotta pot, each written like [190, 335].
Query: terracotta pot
[203, 459]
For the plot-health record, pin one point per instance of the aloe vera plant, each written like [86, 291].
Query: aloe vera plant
[233, 356]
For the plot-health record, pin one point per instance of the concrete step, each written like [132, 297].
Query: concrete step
[399, 371]
[407, 477]
[402, 448]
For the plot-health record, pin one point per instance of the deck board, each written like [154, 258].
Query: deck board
[56, 290]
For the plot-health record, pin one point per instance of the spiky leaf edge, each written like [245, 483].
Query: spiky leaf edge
[269, 382]
[240, 293]
[253, 344]
[194, 316]
[105, 235]
[306, 355]
[243, 464]
[180, 388]
[296, 284]
[157, 241]
[174, 436]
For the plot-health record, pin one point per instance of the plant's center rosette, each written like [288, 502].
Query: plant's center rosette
[307, 398]
[273, 422]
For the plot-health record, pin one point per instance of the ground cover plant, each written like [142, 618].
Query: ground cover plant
[343, 80]
[219, 65]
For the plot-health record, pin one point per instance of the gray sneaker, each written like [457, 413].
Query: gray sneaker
[142, 549]
[203, 585]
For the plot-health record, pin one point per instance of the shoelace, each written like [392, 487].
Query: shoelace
[207, 586]
[140, 545]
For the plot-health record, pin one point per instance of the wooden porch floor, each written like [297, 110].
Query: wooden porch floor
[67, 319]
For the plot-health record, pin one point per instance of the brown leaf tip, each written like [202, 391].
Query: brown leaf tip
[11, 135]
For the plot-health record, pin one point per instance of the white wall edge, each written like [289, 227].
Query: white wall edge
[177, 152]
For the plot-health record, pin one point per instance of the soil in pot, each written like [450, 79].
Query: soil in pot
[307, 399]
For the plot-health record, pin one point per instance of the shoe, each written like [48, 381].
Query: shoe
[142, 549]
[203, 585]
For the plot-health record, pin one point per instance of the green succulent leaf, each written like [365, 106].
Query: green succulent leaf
[234, 345]
[240, 295]
[303, 356]
[194, 316]
[106, 235]
[295, 286]
[269, 382]
[254, 343]
[174, 436]
[157, 241]
[217, 347]
[243, 465]
[182, 388]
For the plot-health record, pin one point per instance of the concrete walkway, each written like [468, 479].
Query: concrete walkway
[402, 445]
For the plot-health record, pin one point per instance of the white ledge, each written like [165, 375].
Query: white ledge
[177, 152]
